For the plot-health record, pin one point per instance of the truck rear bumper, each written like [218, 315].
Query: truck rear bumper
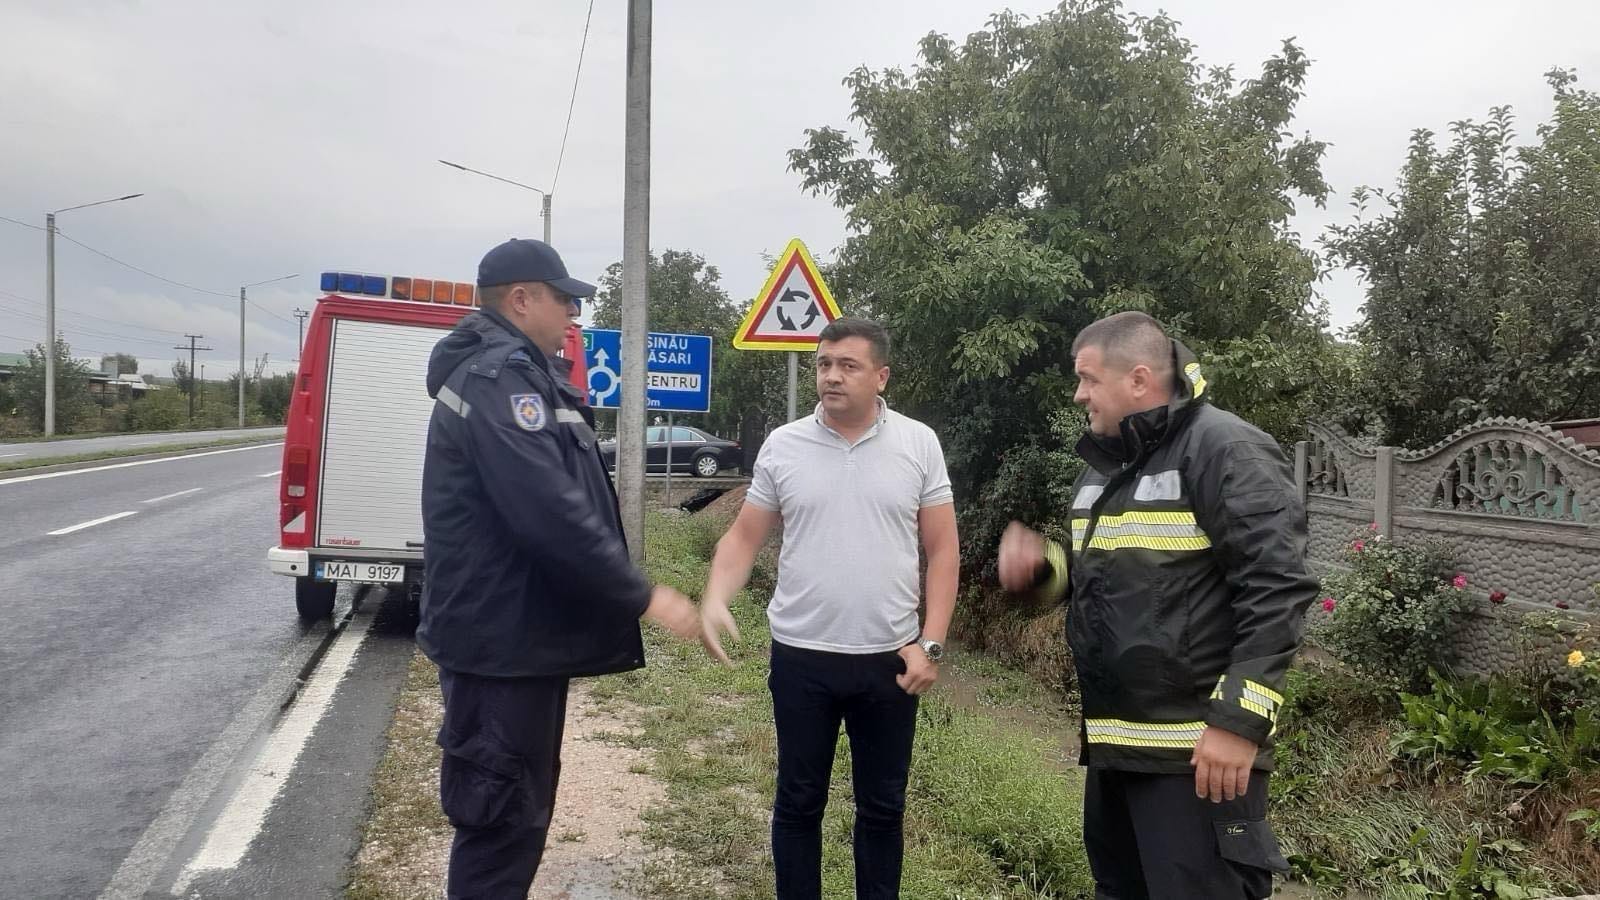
[289, 562]
[297, 563]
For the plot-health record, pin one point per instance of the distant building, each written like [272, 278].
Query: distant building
[10, 363]
[1584, 431]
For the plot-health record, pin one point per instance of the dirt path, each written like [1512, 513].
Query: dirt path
[595, 843]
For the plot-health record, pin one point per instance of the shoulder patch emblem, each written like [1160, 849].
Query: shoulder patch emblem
[529, 411]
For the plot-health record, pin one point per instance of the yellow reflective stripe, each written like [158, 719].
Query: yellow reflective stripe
[1195, 378]
[1145, 542]
[1262, 689]
[1056, 587]
[1217, 694]
[1147, 517]
[1258, 709]
[1173, 531]
[1123, 733]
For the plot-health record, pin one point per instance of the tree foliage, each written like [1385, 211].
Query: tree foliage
[1483, 275]
[74, 406]
[1044, 173]
[126, 363]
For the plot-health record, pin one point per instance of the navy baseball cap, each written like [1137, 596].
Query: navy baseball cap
[524, 259]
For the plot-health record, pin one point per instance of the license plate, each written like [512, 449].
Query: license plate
[361, 572]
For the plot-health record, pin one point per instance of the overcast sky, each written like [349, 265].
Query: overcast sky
[298, 136]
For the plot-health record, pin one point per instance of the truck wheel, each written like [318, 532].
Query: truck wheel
[314, 599]
[706, 466]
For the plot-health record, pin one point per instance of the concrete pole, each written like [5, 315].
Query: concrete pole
[635, 278]
[241, 357]
[546, 212]
[49, 324]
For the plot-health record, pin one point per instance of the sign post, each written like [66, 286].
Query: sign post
[790, 312]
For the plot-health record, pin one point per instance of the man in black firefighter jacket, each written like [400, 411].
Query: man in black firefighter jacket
[1186, 586]
[528, 581]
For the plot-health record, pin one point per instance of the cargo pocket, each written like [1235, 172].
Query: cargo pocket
[1250, 846]
[477, 780]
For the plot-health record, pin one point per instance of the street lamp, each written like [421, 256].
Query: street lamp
[241, 337]
[50, 308]
[545, 209]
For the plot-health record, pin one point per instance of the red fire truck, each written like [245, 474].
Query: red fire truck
[350, 507]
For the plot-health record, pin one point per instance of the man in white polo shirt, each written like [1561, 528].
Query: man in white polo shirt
[856, 486]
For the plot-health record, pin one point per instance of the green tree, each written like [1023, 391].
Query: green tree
[1483, 275]
[273, 395]
[74, 406]
[1048, 172]
[126, 363]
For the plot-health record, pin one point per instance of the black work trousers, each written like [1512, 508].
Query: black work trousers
[1150, 838]
[497, 782]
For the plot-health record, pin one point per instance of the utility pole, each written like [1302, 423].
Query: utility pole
[202, 384]
[301, 315]
[192, 382]
[635, 279]
[50, 308]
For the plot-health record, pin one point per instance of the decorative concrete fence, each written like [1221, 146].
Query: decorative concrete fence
[1519, 502]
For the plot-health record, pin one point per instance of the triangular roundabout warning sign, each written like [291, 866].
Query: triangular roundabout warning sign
[793, 307]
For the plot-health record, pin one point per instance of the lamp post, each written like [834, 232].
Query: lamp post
[50, 307]
[545, 207]
[241, 338]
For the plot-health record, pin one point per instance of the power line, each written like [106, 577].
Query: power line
[102, 253]
[20, 222]
[267, 311]
[574, 102]
[79, 312]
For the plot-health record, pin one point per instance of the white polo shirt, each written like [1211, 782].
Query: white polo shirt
[848, 574]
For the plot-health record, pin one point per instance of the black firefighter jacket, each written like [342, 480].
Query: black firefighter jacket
[1186, 582]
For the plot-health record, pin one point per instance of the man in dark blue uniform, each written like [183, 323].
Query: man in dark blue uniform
[528, 580]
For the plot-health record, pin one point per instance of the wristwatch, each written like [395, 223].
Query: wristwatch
[933, 649]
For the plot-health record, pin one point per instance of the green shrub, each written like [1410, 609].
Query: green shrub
[1393, 609]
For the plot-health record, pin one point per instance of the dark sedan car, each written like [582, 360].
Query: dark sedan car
[692, 451]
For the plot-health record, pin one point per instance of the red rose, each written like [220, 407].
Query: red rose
[1497, 596]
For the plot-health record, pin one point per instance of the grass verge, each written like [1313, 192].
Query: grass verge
[39, 462]
[989, 813]
[407, 836]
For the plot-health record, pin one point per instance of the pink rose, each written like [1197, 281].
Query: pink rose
[1497, 596]
[1359, 546]
[1328, 603]
[1460, 582]
[1373, 527]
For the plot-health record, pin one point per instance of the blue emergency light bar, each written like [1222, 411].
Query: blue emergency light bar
[398, 287]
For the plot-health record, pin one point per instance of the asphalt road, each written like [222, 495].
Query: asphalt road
[41, 449]
[147, 661]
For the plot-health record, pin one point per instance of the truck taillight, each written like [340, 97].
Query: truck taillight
[292, 525]
[296, 472]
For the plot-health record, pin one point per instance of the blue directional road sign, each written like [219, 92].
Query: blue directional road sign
[678, 369]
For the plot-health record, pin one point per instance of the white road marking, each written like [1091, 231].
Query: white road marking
[170, 496]
[272, 474]
[91, 523]
[9, 455]
[241, 820]
[148, 859]
[143, 462]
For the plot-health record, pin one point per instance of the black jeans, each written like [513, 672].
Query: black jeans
[497, 783]
[812, 692]
[1150, 838]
